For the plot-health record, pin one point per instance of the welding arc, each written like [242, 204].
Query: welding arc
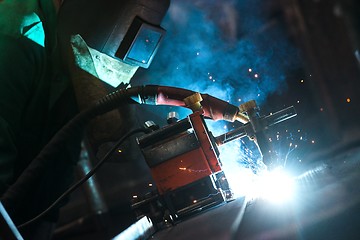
[87, 176]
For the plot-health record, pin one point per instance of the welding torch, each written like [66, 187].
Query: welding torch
[254, 126]
[255, 129]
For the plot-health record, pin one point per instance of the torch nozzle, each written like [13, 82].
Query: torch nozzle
[241, 117]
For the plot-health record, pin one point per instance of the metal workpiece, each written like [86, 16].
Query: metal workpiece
[220, 222]
[92, 190]
[141, 229]
[302, 216]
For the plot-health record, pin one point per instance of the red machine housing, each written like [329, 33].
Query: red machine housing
[185, 165]
[197, 163]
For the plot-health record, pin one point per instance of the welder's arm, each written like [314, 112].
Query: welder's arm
[16, 68]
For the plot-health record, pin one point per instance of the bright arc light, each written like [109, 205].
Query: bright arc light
[275, 186]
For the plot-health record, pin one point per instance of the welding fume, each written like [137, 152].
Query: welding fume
[102, 50]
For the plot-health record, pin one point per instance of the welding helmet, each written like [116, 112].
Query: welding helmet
[127, 30]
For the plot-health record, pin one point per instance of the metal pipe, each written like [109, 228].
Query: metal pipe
[91, 186]
[232, 135]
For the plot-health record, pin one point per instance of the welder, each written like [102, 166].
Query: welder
[37, 98]
[32, 108]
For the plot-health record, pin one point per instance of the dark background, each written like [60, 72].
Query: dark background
[306, 53]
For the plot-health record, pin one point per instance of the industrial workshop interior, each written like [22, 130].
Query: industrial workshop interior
[205, 119]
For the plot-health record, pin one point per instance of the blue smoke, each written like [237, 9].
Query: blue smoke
[198, 55]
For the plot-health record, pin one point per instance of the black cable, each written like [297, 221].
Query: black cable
[14, 195]
[86, 177]
[12, 198]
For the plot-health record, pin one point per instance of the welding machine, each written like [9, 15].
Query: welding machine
[185, 165]
[184, 161]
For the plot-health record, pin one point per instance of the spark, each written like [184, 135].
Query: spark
[276, 186]
[348, 100]
[250, 70]
[256, 75]
[290, 150]
[302, 80]
[191, 170]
